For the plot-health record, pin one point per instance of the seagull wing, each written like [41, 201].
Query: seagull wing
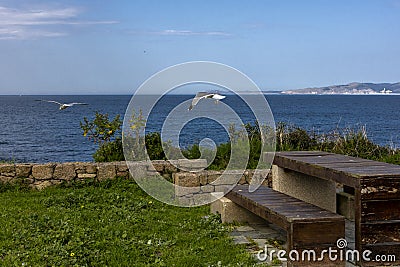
[218, 96]
[50, 101]
[75, 103]
[198, 97]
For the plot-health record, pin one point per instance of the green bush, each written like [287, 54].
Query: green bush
[109, 151]
[288, 138]
[154, 146]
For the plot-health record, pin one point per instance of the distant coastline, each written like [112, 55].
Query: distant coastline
[354, 88]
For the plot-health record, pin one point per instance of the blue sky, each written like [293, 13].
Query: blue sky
[111, 47]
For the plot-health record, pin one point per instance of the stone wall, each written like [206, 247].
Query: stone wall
[43, 175]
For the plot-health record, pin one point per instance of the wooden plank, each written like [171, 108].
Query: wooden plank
[309, 156]
[380, 210]
[303, 153]
[266, 214]
[369, 171]
[380, 232]
[279, 211]
[274, 200]
[317, 233]
[319, 171]
[339, 168]
[343, 165]
[336, 159]
[357, 218]
[380, 188]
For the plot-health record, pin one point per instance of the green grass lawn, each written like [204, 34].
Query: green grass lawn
[113, 223]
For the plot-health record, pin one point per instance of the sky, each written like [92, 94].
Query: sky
[111, 47]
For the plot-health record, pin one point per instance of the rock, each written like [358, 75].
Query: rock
[192, 164]
[124, 174]
[80, 167]
[40, 185]
[207, 188]
[121, 166]
[106, 171]
[65, 171]
[203, 177]
[43, 171]
[186, 191]
[186, 179]
[5, 179]
[91, 168]
[23, 170]
[158, 165]
[170, 167]
[213, 176]
[86, 175]
[7, 170]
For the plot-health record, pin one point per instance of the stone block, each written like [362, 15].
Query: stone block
[121, 166]
[345, 205]
[106, 171]
[5, 179]
[86, 175]
[124, 174]
[40, 185]
[222, 188]
[186, 179]
[91, 168]
[43, 171]
[170, 167]
[192, 165]
[64, 171]
[203, 177]
[7, 170]
[158, 165]
[23, 170]
[248, 174]
[150, 173]
[242, 180]
[186, 191]
[229, 177]
[304, 187]
[138, 169]
[213, 176]
[207, 188]
[231, 212]
[80, 167]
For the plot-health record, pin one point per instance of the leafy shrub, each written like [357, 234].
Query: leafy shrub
[288, 138]
[154, 146]
[101, 129]
[109, 151]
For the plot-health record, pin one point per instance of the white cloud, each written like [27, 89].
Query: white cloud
[26, 24]
[171, 32]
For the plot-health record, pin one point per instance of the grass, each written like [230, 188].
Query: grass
[113, 223]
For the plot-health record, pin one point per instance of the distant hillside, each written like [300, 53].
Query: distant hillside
[351, 88]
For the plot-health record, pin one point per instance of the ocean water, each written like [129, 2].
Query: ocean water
[34, 131]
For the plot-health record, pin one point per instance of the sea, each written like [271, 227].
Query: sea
[37, 131]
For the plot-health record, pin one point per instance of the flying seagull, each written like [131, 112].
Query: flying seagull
[62, 105]
[204, 95]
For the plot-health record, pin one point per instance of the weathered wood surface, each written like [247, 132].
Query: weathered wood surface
[339, 168]
[381, 231]
[307, 226]
[279, 208]
[376, 188]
